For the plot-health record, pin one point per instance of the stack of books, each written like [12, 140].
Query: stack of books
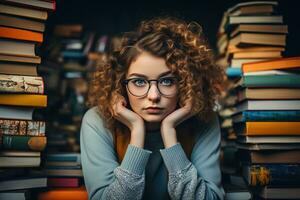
[267, 124]
[250, 32]
[67, 64]
[260, 105]
[65, 179]
[68, 57]
[22, 91]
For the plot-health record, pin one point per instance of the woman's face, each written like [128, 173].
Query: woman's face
[153, 106]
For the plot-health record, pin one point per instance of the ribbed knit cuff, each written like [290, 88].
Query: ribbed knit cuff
[174, 158]
[135, 159]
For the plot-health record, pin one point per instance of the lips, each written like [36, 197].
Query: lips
[154, 110]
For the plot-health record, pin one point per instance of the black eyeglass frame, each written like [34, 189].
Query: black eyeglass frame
[126, 81]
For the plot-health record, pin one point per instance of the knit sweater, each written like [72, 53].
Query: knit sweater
[152, 172]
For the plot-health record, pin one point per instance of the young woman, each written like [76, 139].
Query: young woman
[153, 133]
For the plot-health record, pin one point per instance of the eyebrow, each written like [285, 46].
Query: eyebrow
[144, 76]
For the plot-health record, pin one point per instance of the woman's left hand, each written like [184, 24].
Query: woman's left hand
[169, 124]
[179, 115]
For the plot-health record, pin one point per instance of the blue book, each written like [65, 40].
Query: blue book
[233, 72]
[272, 174]
[63, 157]
[73, 54]
[284, 116]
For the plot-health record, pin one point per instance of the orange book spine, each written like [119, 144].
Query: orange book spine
[19, 34]
[283, 63]
[64, 194]
[272, 128]
[23, 100]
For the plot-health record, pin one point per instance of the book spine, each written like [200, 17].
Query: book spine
[62, 182]
[22, 127]
[271, 116]
[272, 81]
[22, 143]
[274, 175]
[21, 84]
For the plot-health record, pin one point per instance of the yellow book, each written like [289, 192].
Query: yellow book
[32, 100]
[271, 128]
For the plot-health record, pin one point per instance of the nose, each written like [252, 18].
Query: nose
[153, 93]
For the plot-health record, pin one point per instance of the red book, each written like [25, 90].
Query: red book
[63, 182]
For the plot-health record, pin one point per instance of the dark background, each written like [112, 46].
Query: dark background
[114, 17]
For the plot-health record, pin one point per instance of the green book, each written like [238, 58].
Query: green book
[31, 143]
[290, 80]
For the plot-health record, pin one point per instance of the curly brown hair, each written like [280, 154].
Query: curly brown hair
[187, 54]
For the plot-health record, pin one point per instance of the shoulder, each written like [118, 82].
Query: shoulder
[92, 122]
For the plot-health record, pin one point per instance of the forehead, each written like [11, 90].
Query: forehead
[148, 65]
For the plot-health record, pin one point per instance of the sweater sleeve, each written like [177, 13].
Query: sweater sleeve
[103, 176]
[199, 178]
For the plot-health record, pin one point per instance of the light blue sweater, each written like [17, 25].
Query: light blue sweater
[152, 172]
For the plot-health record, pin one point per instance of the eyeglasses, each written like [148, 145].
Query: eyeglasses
[139, 87]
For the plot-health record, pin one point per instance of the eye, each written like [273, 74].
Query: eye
[139, 82]
[167, 81]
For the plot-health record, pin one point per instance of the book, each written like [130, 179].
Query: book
[268, 105]
[279, 192]
[268, 139]
[23, 12]
[64, 194]
[267, 128]
[248, 39]
[27, 143]
[34, 100]
[22, 59]
[14, 195]
[21, 23]
[254, 20]
[270, 146]
[21, 153]
[237, 62]
[23, 183]
[251, 3]
[271, 174]
[259, 28]
[20, 161]
[267, 116]
[235, 188]
[253, 10]
[64, 157]
[270, 157]
[22, 127]
[233, 72]
[273, 72]
[63, 182]
[41, 5]
[257, 54]
[21, 84]
[63, 172]
[13, 47]
[234, 49]
[68, 30]
[270, 81]
[21, 113]
[282, 63]
[18, 69]
[268, 93]
[19, 34]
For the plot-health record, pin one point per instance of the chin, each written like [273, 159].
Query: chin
[153, 118]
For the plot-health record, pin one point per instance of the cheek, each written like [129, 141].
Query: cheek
[135, 103]
[172, 104]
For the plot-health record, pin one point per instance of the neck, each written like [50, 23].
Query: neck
[152, 127]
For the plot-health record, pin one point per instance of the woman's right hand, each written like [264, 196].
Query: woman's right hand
[124, 115]
[132, 120]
